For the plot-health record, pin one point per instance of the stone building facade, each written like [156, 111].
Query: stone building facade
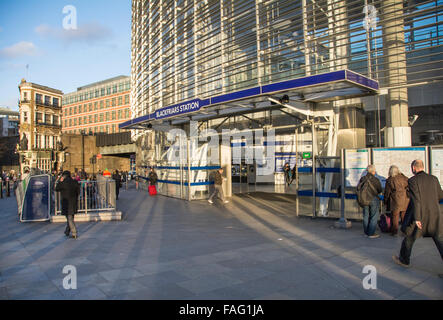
[40, 127]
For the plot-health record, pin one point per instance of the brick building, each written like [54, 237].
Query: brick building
[98, 107]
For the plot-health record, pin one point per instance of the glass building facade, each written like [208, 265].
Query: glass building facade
[191, 49]
[187, 48]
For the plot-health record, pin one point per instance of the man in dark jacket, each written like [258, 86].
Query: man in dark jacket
[368, 189]
[423, 217]
[118, 183]
[69, 190]
[218, 186]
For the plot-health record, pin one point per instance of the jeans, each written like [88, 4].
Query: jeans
[408, 242]
[70, 226]
[218, 188]
[370, 217]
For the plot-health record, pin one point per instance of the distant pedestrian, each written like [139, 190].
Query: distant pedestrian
[293, 174]
[368, 189]
[69, 191]
[218, 186]
[396, 198]
[287, 173]
[118, 183]
[152, 177]
[423, 217]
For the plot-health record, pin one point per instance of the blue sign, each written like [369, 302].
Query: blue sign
[181, 108]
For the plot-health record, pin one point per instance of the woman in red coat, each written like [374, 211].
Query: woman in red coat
[396, 196]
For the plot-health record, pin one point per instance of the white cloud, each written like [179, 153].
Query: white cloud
[90, 33]
[20, 49]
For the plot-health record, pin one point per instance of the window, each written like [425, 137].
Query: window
[101, 117]
[37, 141]
[101, 104]
[38, 117]
[85, 120]
[70, 122]
[113, 102]
[127, 113]
[75, 109]
[114, 89]
[95, 118]
[25, 96]
[75, 121]
[107, 116]
[55, 102]
[113, 115]
[47, 100]
[95, 106]
[55, 120]
[108, 90]
[120, 100]
[120, 87]
[90, 119]
[120, 112]
[102, 91]
[127, 99]
[80, 121]
[47, 118]
[85, 108]
[107, 103]
[66, 123]
[38, 98]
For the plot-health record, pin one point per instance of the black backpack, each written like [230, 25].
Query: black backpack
[365, 193]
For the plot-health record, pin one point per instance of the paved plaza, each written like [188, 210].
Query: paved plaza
[165, 248]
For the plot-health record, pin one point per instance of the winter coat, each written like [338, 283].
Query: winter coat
[425, 193]
[374, 189]
[218, 179]
[396, 197]
[69, 190]
[152, 178]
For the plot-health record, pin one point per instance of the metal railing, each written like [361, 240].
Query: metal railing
[95, 196]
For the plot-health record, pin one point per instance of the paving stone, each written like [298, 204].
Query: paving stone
[207, 283]
[124, 273]
[182, 250]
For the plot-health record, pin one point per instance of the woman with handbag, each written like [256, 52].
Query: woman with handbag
[396, 196]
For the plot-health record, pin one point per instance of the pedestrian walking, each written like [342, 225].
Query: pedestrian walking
[218, 187]
[118, 183]
[293, 174]
[396, 198]
[69, 191]
[423, 217]
[287, 173]
[152, 177]
[368, 189]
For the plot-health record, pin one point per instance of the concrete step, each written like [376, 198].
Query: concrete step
[96, 216]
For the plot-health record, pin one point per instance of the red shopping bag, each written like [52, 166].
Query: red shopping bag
[152, 190]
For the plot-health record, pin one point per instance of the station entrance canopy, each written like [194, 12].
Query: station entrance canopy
[324, 87]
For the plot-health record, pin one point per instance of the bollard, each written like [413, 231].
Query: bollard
[8, 191]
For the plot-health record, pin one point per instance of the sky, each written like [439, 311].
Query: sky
[62, 52]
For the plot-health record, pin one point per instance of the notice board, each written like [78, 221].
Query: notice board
[356, 162]
[383, 158]
[437, 163]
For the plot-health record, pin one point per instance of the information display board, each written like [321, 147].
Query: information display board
[383, 158]
[437, 163]
[356, 162]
